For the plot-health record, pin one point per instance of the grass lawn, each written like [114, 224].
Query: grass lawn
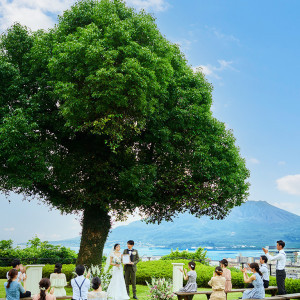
[142, 292]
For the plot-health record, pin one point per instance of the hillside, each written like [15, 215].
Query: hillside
[255, 223]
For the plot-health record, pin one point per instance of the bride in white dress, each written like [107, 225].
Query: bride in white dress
[117, 288]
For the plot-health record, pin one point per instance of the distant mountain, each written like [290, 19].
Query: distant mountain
[253, 224]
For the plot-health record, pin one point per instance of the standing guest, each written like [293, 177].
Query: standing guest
[13, 286]
[80, 284]
[280, 266]
[226, 274]
[264, 270]
[191, 276]
[258, 292]
[44, 294]
[97, 292]
[217, 283]
[16, 264]
[58, 281]
[130, 269]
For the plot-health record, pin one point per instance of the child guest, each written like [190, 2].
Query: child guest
[58, 281]
[226, 274]
[217, 283]
[191, 276]
[80, 284]
[44, 294]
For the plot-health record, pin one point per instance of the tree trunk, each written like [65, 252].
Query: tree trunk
[95, 229]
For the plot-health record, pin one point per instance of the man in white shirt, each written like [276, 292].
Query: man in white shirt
[280, 265]
[80, 284]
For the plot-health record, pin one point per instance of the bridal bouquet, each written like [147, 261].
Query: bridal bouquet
[160, 289]
[117, 260]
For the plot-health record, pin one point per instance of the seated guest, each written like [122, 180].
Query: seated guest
[13, 287]
[16, 264]
[226, 274]
[80, 284]
[58, 281]
[44, 294]
[191, 276]
[97, 292]
[264, 270]
[217, 283]
[258, 292]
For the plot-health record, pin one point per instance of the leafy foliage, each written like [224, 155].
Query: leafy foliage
[198, 255]
[102, 113]
[160, 289]
[35, 252]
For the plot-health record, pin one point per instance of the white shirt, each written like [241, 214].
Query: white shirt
[84, 288]
[265, 272]
[20, 276]
[281, 259]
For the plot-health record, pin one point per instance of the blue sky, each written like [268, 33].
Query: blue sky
[249, 51]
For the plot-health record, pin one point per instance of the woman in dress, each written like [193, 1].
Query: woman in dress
[44, 294]
[58, 281]
[258, 292]
[226, 274]
[217, 283]
[191, 277]
[97, 292]
[117, 288]
[13, 287]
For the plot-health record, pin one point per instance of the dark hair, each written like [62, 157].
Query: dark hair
[115, 246]
[219, 271]
[224, 262]
[96, 282]
[15, 262]
[264, 258]
[11, 275]
[44, 284]
[256, 267]
[130, 242]
[281, 243]
[57, 268]
[79, 270]
[192, 265]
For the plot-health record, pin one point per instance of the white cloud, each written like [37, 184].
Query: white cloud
[149, 5]
[281, 163]
[289, 184]
[254, 161]
[9, 229]
[289, 206]
[213, 71]
[222, 36]
[33, 13]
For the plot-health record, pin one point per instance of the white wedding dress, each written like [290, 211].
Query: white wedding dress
[117, 288]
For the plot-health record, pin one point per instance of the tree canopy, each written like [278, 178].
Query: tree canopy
[103, 114]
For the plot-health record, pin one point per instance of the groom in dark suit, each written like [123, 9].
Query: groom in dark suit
[130, 269]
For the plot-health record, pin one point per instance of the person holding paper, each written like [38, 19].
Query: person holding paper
[130, 268]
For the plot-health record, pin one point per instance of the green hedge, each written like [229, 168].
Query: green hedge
[164, 268]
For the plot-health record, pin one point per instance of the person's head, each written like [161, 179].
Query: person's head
[12, 275]
[280, 245]
[192, 265]
[255, 268]
[44, 286]
[263, 259]
[218, 271]
[57, 268]
[130, 244]
[96, 282]
[223, 263]
[16, 263]
[79, 270]
[117, 247]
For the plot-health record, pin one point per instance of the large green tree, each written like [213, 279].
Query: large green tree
[103, 115]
